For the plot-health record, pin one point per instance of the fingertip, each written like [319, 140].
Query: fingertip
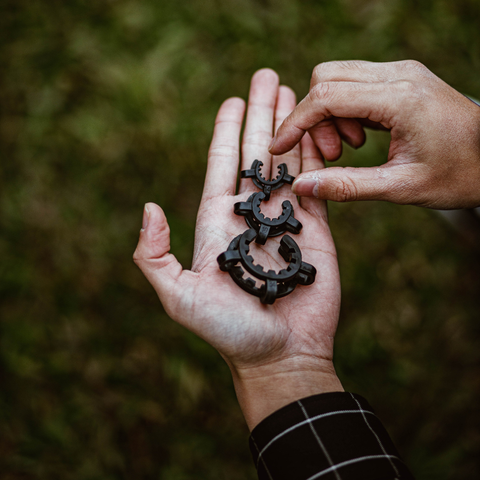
[154, 241]
[305, 187]
[332, 155]
[146, 218]
[286, 91]
[156, 220]
[264, 88]
[153, 257]
[266, 74]
[330, 151]
[277, 147]
[350, 131]
[287, 136]
[359, 141]
[234, 102]
[154, 209]
[327, 139]
[232, 109]
[271, 147]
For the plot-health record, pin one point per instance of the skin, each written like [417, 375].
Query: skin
[277, 353]
[434, 155]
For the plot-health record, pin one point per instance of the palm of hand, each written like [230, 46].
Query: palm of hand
[235, 322]
[205, 299]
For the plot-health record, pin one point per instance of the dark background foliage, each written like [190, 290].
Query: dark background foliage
[106, 105]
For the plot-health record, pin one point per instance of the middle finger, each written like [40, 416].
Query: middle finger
[259, 124]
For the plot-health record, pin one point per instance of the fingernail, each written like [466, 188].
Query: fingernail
[306, 187]
[146, 216]
[272, 143]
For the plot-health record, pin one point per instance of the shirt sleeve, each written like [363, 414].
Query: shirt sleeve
[331, 436]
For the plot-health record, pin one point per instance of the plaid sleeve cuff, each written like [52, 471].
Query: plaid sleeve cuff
[332, 436]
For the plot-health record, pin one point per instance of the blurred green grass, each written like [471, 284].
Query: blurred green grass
[106, 105]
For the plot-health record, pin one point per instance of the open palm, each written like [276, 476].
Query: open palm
[205, 299]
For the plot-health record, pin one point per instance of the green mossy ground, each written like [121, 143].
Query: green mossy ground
[106, 105]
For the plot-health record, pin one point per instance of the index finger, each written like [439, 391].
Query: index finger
[377, 102]
[223, 155]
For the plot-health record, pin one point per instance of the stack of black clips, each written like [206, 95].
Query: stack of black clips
[237, 261]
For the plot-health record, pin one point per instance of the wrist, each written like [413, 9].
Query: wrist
[264, 389]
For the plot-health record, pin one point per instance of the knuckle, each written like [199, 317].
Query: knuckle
[413, 67]
[324, 71]
[356, 65]
[318, 73]
[321, 91]
[327, 70]
[409, 91]
[404, 86]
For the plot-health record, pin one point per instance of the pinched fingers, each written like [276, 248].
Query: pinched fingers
[348, 90]
[327, 134]
[375, 101]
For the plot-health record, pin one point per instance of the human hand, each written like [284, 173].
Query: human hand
[277, 353]
[434, 155]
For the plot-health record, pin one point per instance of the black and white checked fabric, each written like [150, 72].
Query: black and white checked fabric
[332, 436]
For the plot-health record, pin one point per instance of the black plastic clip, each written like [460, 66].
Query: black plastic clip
[276, 285]
[267, 227]
[267, 185]
[237, 261]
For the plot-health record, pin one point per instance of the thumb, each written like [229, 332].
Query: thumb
[348, 184]
[152, 255]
